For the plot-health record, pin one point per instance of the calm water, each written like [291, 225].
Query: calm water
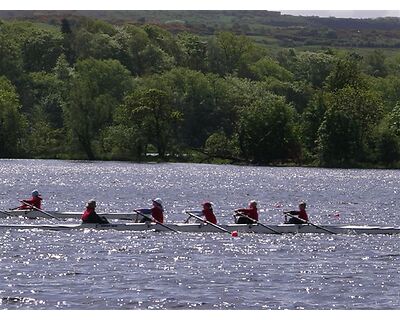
[149, 270]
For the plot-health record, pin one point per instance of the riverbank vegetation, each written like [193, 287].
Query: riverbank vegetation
[83, 88]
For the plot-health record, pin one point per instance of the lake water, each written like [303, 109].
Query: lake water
[111, 270]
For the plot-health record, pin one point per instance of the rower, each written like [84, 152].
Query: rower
[90, 215]
[156, 212]
[207, 213]
[302, 214]
[251, 212]
[35, 201]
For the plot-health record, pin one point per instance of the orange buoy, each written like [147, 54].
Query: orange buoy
[234, 233]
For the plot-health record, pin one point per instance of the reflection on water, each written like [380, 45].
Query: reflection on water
[149, 270]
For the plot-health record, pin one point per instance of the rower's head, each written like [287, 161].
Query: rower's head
[253, 204]
[302, 206]
[91, 204]
[207, 205]
[157, 202]
[35, 193]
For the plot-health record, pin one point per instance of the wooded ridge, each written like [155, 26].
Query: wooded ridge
[222, 86]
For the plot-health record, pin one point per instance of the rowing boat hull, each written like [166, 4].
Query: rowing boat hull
[63, 215]
[198, 227]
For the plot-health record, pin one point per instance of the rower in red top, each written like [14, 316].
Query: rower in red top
[156, 211]
[250, 212]
[35, 201]
[90, 215]
[302, 214]
[208, 212]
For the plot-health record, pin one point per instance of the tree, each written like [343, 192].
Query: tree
[98, 86]
[266, 130]
[346, 72]
[227, 53]
[267, 67]
[314, 67]
[194, 51]
[375, 64]
[345, 133]
[41, 50]
[219, 145]
[146, 117]
[339, 139]
[12, 122]
[132, 41]
[192, 98]
[11, 64]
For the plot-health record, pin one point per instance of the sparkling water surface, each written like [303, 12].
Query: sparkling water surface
[114, 270]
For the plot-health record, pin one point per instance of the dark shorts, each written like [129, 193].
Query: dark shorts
[101, 220]
[295, 221]
[244, 220]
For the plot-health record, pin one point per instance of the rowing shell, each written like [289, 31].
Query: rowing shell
[63, 215]
[199, 227]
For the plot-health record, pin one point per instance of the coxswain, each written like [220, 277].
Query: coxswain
[250, 212]
[35, 201]
[90, 215]
[301, 214]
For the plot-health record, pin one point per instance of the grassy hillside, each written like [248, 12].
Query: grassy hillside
[266, 27]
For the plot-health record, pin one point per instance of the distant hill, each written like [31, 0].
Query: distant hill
[266, 27]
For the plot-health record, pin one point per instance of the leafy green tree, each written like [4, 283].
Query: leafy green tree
[375, 64]
[194, 51]
[227, 53]
[344, 135]
[46, 91]
[314, 67]
[393, 120]
[266, 130]
[12, 122]
[132, 41]
[219, 145]
[164, 40]
[312, 118]
[146, 117]
[41, 50]
[155, 60]
[192, 98]
[94, 45]
[388, 89]
[267, 67]
[339, 139]
[387, 144]
[346, 72]
[11, 64]
[97, 87]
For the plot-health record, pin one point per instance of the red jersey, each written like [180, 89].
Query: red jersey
[90, 216]
[303, 215]
[34, 201]
[250, 212]
[157, 214]
[209, 215]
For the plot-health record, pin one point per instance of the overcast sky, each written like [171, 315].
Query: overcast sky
[337, 8]
[344, 13]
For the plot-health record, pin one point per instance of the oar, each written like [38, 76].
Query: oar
[37, 209]
[310, 223]
[7, 214]
[208, 222]
[162, 224]
[261, 224]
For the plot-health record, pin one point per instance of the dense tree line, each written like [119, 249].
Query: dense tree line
[87, 89]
